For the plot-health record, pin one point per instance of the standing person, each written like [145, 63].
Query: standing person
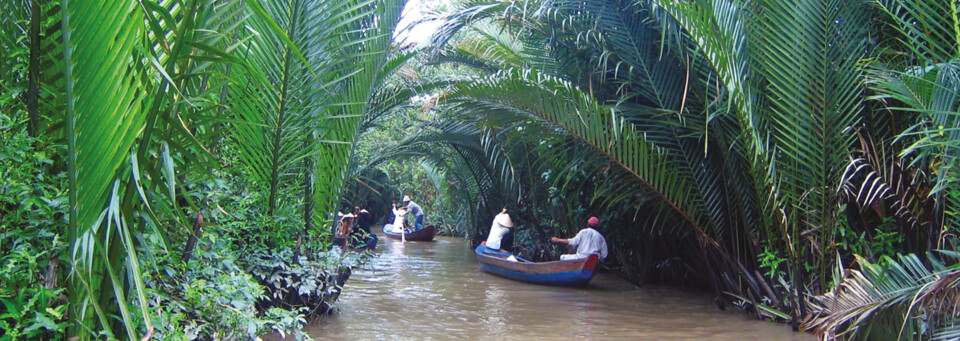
[588, 241]
[398, 215]
[413, 208]
[501, 232]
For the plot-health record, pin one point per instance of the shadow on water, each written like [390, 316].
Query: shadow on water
[435, 291]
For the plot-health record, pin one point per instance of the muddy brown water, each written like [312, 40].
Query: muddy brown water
[436, 291]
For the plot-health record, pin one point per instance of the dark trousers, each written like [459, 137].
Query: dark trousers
[506, 243]
[419, 222]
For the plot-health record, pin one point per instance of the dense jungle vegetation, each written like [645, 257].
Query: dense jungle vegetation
[171, 168]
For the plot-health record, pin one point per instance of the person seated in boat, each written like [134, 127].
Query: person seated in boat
[363, 222]
[346, 224]
[588, 241]
[414, 209]
[398, 218]
[346, 227]
[501, 232]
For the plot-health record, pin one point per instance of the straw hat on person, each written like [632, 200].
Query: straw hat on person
[504, 220]
[406, 198]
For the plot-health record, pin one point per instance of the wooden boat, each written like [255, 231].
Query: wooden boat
[425, 234]
[562, 273]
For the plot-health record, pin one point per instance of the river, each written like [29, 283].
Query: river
[435, 291]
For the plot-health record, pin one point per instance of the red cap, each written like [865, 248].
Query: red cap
[593, 221]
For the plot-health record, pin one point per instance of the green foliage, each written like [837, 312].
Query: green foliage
[31, 310]
[312, 283]
[772, 260]
[242, 281]
[716, 125]
[711, 125]
[234, 206]
[31, 196]
[29, 314]
[32, 215]
[139, 98]
[287, 322]
[883, 241]
[212, 297]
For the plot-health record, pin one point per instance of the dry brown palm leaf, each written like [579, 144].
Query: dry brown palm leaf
[890, 300]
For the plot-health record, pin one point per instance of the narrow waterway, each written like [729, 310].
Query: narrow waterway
[435, 291]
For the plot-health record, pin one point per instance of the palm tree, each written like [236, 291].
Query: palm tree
[653, 156]
[138, 90]
[747, 160]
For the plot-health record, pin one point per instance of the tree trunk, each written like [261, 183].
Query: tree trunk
[33, 74]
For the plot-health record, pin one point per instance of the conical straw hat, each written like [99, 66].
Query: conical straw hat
[504, 220]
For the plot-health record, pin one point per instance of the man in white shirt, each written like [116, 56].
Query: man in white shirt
[588, 241]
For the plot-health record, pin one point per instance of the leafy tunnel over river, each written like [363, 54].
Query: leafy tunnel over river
[174, 169]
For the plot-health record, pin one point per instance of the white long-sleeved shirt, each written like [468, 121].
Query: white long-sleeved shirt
[588, 241]
[398, 214]
[496, 234]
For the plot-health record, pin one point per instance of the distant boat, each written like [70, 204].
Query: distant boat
[562, 273]
[425, 234]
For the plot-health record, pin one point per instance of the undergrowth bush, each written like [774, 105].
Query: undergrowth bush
[230, 289]
[215, 299]
[243, 280]
[311, 283]
[32, 214]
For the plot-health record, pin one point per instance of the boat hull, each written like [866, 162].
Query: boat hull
[561, 273]
[425, 234]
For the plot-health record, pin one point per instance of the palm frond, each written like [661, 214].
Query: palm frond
[104, 116]
[929, 29]
[526, 93]
[902, 299]
[470, 12]
[358, 67]
[632, 38]
[719, 30]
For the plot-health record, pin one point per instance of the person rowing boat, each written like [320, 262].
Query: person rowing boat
[588, 241]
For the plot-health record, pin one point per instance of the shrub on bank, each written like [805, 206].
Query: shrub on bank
[311, 284]
[212, 298]
[32, 213]
[227, 290]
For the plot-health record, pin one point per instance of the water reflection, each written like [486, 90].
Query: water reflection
[494, 307]
[435, 291]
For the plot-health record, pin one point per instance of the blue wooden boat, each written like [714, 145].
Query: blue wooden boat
[562, 273]
[425, 234]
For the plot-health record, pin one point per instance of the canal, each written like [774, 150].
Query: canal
[435, 291]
